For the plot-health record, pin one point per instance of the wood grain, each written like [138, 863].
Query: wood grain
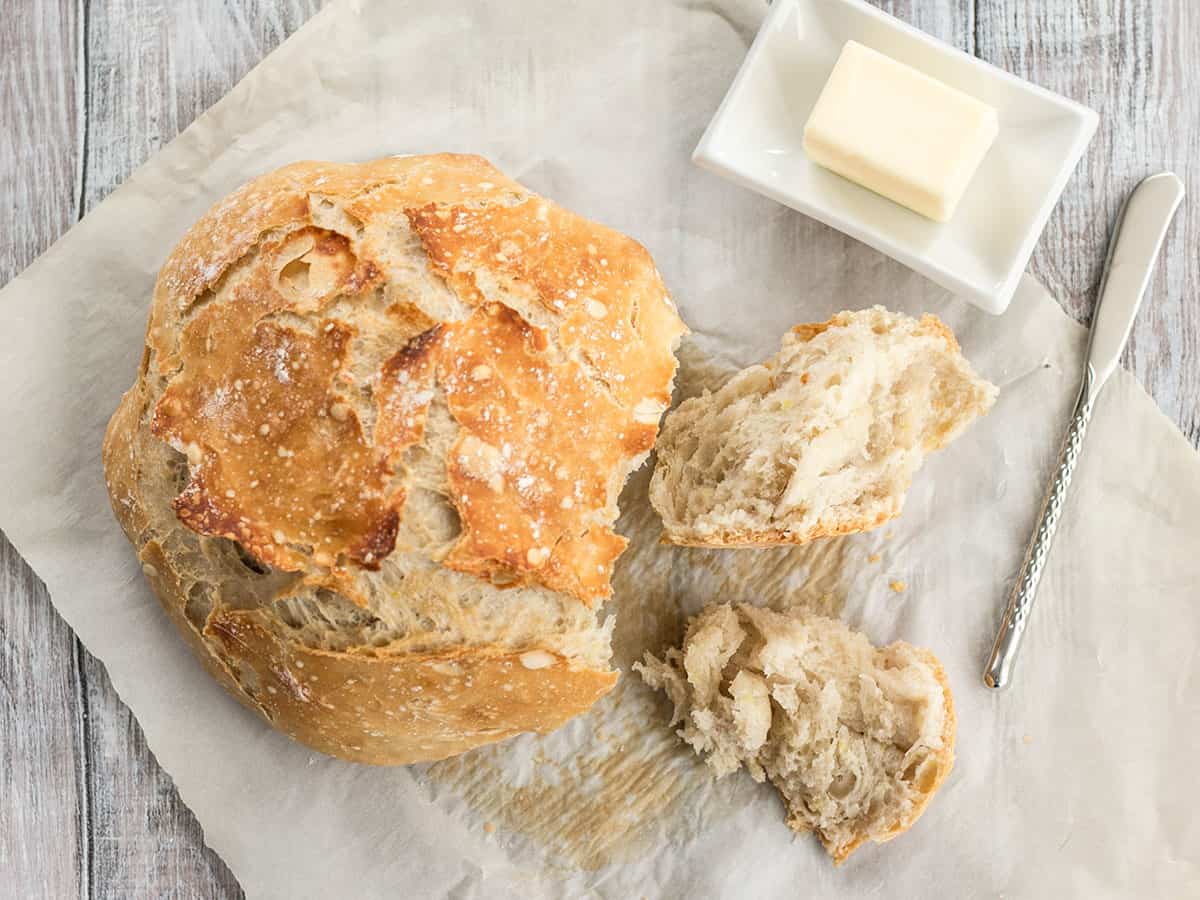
[44, 822]
[89, 90]
[41, 109]
[1134, 62]
[44, 816]
[952, 21]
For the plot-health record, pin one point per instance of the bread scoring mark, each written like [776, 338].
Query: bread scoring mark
[534, 433]
[314, 265]
[404, 393]
[586, 285]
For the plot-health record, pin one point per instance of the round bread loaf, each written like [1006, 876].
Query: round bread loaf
[371, 460]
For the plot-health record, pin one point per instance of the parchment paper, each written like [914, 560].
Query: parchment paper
[1077, 782]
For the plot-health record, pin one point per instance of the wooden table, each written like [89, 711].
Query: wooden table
[89, 89]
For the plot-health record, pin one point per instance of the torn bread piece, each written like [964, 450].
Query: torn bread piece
[857, 739]
[823, 439]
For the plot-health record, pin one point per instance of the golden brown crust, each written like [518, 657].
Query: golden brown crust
[609, 300]
[300, 334]
[365, 706]
[928, 323]
[274, 469]
[289, 196]
[399, 709]
[528, 482]
[258, 396]
[943, 763]
[778, 537]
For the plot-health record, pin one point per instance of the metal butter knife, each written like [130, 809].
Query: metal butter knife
[1137, 237]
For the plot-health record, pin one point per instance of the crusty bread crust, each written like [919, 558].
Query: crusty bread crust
[412, 708]
[928, 322]
[300, 336]
[731, 540]
[944, 762]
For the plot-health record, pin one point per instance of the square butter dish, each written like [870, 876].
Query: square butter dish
[755, 140]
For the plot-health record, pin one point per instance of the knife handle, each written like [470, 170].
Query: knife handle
[1020, 601]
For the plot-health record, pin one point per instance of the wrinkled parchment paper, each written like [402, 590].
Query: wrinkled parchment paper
[1074, 783]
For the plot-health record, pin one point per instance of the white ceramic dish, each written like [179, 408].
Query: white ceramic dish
[755, 140]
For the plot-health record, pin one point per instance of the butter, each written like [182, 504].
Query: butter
[899, 132]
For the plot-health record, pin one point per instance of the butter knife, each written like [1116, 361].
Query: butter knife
[1137, 236]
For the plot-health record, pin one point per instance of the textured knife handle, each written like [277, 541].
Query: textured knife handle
[1020, 601]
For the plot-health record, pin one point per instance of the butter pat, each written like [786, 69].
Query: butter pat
[899, 132]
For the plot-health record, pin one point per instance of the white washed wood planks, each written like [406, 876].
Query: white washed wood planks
[88, 812]
[1136, 63]
[44, 823]
[41, 127]
[952, 21]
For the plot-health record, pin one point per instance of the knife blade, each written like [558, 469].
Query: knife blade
[1138, 236]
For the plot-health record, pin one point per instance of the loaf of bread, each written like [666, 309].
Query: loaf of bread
[856, 739]
[823, 439]
[371, 460]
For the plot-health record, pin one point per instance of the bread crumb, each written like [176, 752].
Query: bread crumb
[149, 571]
[1028, 739]
[898, 586]
[489, 827]
[874, 558]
